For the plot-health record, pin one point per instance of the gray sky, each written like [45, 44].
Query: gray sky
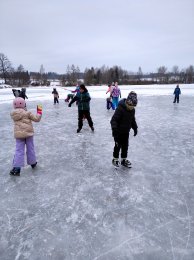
[128, 33]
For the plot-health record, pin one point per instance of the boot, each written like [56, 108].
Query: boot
[15, 171]
[33, 165]
[115, 162]
[126, 163]
[92, 128]
[78, 130]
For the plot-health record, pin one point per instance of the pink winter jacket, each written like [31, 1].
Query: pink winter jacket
[23, 122]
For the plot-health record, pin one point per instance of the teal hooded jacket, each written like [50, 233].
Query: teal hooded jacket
[83, 100]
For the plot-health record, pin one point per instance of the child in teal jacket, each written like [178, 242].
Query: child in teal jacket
[83, 98]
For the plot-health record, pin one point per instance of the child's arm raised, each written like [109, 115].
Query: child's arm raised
[36, 118]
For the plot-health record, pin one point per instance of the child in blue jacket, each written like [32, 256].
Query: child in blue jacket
[177, 92]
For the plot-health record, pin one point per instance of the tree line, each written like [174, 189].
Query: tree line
[106, 75]
[93, 76]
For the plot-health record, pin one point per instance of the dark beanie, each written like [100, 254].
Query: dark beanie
[132, 99]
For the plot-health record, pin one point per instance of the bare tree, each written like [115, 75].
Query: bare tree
[182, 76]
[68, 73]
[104, 75]
[5, 66]
[175, 75]
[43, 76]
[88, 76]
[19, 72]
[72, 74]
[77, 72]
[20, 68]
[42, 70]
[162, 74]
[175, 70]
[139, 74]
[190, 74]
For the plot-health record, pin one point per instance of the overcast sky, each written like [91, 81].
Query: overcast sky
[128, 33]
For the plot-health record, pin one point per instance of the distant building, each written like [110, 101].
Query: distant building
[55, 82]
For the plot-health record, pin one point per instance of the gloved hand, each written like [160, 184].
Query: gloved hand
[69, 105]
[39, 109]
[135, 132]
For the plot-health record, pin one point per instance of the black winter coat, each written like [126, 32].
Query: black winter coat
[123, 120]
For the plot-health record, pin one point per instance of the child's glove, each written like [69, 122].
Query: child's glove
[39, 109]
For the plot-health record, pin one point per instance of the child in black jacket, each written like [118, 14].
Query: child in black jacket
[122, 121]
[22, 93]
[56, 96]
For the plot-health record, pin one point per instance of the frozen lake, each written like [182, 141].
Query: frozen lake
[75, 206]
[44, 93]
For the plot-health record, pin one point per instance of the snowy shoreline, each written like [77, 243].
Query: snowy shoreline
[44, 93]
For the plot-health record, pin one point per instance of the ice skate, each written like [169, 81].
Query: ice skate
[126, 163]
[33, 165]
[15, 172]
[115, 162]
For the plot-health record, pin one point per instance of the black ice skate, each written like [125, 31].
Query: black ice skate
[126, 163]
[33, 165]
[115, 162]
[15, 172]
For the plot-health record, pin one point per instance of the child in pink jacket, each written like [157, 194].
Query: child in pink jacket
[23, 133]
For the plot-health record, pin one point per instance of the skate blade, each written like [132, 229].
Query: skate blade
[116, 167]
[122, 169]
[126, 167]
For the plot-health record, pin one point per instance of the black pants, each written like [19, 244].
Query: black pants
[176, 98]
[109, 104]
[56, 100]
[121, 144]
[84, 114]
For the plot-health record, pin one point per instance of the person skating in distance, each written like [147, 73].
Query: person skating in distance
[177, 92]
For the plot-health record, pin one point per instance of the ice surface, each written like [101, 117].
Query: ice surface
[76, 206]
